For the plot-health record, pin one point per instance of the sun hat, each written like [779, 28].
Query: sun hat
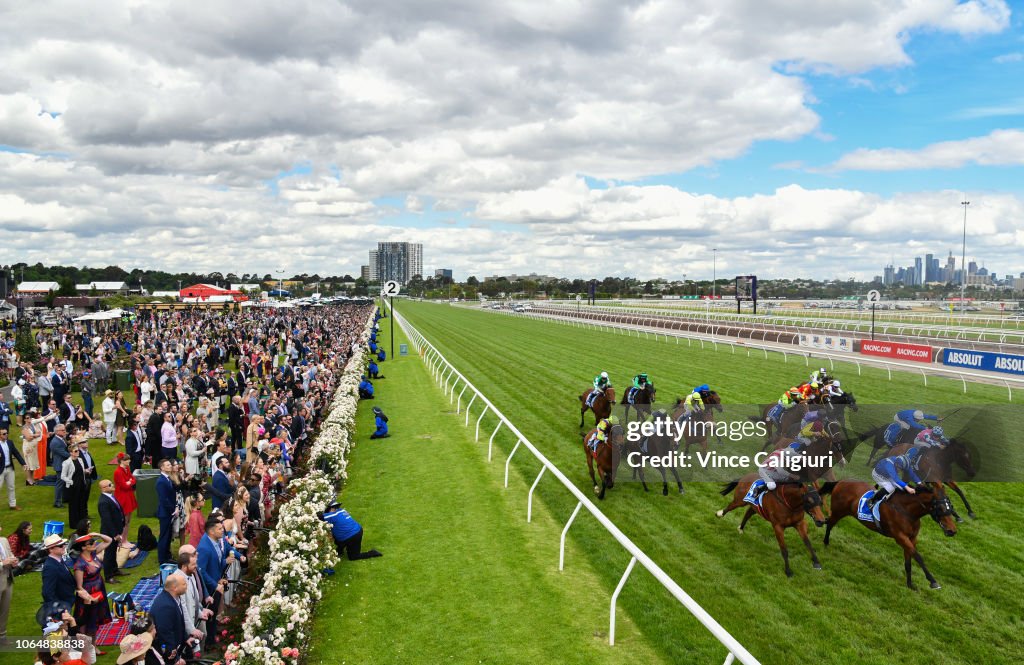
[133, 646]
[53, 540]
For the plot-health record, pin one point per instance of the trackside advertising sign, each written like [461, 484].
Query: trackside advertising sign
[827, 342]
[984, 360]
[915, 352]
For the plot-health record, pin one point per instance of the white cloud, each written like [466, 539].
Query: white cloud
[1008, 57]
[174, 121]
[1003, 147]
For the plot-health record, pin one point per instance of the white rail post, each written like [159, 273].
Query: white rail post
[561, 544]
[858, 367]
[476, 437]
[615, 597]
[509, 460]
[925, 377]
[466, 424]
[965, 383]
[490, 442]
[889, 370]
[458, 405]
[529, 500]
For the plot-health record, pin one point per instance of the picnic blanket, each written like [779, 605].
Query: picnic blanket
[136, 560]
[145, 592]
[112, 633]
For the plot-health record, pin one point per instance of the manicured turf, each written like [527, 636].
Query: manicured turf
[856, 610]
[464, 578]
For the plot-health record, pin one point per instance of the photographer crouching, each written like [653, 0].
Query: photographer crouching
[347, 533]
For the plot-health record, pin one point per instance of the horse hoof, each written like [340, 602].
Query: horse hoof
[664, 491]
[597, 490]
[936, 585]
[739, 528]
[959, 519]
[972, 516]
[719, 513]
[682, 491]
[817, 566]
[789, 573]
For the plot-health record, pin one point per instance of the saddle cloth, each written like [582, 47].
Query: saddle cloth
[865, 514]
[755, 495]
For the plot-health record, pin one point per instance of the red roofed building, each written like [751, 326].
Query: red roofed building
[200, 293]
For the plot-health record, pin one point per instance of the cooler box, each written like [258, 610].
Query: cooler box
[53, 526]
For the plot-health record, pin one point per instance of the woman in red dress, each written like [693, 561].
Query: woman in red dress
[124, 491]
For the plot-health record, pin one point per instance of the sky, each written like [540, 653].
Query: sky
[567, 137]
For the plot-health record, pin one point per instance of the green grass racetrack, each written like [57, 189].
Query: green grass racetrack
[856, 610]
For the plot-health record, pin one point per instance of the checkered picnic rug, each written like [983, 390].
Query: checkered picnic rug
[145, 592]
[112, 633]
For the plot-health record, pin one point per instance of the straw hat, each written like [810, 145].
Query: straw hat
[133, 646]
[53, 540]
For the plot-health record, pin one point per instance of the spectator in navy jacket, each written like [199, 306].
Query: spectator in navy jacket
[166, 510]
[221, 486]
[169, 620]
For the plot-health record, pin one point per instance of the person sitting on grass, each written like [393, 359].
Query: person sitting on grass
[365, 389]
[373, 370]
[382, 424]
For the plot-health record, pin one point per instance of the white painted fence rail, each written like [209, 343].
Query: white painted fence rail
[449, 378]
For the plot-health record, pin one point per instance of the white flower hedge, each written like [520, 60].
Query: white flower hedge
[277, 620]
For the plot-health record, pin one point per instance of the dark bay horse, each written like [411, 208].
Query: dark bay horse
[700, 425]
[608, 457]
[782, 507]
[791, 418]
[819, 447]
[657, 446]
[899, 517]
[642, 400]
[602, 406]
[936, 466]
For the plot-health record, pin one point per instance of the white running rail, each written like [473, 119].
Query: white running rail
[449, 379]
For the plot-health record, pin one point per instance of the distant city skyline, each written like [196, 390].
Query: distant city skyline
[927, 269]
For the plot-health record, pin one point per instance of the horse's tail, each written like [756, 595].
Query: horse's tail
[827, 487]
[729, 487]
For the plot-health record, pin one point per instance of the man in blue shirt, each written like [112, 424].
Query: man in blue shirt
[373, 370]
[365, 389]
[347, 533]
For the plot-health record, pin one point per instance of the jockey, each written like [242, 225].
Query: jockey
[811, 427]
[910, 419]
[777, 470]
[639, 381]
[601, 381]
[933, 437]
[694, 402]
[791, 398]
[887, 474]
[809, 390]
[821, 376]
[601, 432]
[834, 388]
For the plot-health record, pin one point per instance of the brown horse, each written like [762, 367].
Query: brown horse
[936, 465]
[899, 517]
[783, 507]
[602, 406]
[791, 417]
[608, 456]
[698, 427]
[657, 446]
[642, 401]
[830, 442]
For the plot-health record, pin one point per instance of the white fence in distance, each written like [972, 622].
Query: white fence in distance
[450, 379]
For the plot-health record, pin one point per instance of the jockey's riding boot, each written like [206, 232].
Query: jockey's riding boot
[879, 497]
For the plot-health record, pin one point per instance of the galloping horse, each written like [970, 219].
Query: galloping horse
[657, 446]
[899, 517]
[783, 507]
[819, 447]
[936, 465]
[694, 435]
[835, 408]
[642, 400]
[608, 456]
[790, 417]
[602, 406]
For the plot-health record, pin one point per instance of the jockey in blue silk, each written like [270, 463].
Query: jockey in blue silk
[887, 474]
[910, 419]
[778, 471]
[933, 437]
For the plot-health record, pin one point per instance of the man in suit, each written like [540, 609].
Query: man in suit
[165, 511]
[169, 620]
[58, 447]
[133, 443]
[221, 486]
[111, 524]
[235, 415]
[194, 605]
[91, 475]
[156, 421]
[58, 582]
[213, 556]
[66, 409]
[9, 453]
[101, 372]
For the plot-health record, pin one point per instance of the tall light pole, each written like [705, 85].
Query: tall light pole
[963, 260]
[280, 283]
[714, 271]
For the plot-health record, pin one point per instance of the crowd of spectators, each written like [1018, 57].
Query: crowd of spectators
[224, 405]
